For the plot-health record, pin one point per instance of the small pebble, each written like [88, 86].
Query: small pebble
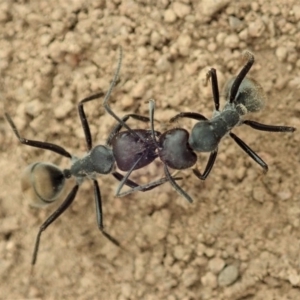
[228, 275]
[294, 279]
[232, 41]
[209, 280]
[140, 89]
[169, 16]
[210, 252]
[127, 101]
[216, 264]
[155, 38]
[179, 252]
[259, 194]
[281, 53]
[62, 110]
[256, 28]
[184, 43]
[243, 35]
[210, 8]
[34, 108]
[296, 11]
[181, 9]
[189, 277]
[235, 23]
[163, 64]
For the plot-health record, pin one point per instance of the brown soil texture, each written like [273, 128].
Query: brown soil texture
[239, 239]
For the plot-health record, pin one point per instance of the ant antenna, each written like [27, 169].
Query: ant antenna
[151, 109]
[105, 104]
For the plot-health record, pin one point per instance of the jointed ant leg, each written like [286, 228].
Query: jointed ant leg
[190, 115]
[67, 202]
[212, 73]
[141, 188]
[119, 126]
[99, 215]
[176, 186]
[240, 77]
[269, 128]
[37, 144]
[250, 152]
[209, 166]
[84, 122]
[125, 178]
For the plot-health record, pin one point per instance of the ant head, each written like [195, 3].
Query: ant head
[42, 183]
[175, 150]
[250, 96]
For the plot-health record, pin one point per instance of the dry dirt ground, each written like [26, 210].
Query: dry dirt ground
[240, 238]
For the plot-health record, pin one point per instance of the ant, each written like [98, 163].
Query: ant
[243, 95]
[45, 181]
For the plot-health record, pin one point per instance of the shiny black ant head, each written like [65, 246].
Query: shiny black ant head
[175, 151]
[42, 183]
[250, 96]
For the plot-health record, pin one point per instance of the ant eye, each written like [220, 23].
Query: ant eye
[42, 183]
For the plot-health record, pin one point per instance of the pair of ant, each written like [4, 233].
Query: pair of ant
[133, 149]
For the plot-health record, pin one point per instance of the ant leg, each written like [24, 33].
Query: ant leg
[240, 77]
[67, 202]
[142, 188]
[209, 166]
[134, 186]
[270, 128]
[84, 122]
[190, 115]
[105, 101]
[250, 152]
[212, 73]
[99, 214]
[176, 186]
[125, 178]
[128, 182]
[37, 144]
[119, 126]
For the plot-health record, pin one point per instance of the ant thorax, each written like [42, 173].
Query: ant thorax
[99, 160]
[76, 168]
[206, 135]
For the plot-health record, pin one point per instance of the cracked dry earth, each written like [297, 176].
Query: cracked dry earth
[239, 239]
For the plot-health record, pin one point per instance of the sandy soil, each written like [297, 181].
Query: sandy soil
[240, 237]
